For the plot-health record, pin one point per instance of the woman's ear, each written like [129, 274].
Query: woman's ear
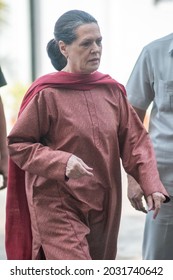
[63, 48]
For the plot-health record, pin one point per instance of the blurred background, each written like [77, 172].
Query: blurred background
[26, 26]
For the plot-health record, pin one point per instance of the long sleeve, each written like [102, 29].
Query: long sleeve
[136, 150]
[28, 142]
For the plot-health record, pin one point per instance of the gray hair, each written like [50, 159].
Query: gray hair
[65, 30]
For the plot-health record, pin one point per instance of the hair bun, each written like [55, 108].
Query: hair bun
[58, 60]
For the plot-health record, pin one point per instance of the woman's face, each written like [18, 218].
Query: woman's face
[84, 54]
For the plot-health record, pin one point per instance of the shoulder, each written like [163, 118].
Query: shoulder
[114, 84]
[159, 44]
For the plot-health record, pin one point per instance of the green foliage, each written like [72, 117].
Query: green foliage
[12, 97]
[17, 92]
[3, 10]
[3, 5]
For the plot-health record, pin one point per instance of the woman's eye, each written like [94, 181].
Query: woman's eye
[86, 44]
[99, 42]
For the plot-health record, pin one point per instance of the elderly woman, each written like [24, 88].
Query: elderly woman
[74, 126]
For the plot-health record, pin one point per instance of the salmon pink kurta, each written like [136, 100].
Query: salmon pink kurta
[78, 218]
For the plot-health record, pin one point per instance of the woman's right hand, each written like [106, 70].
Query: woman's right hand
[77, 168]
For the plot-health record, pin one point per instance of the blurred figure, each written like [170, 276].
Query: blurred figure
[3, 135]
[151, 81]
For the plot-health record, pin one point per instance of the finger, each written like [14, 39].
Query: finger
[158, 199]
[138, 205]
[156, 211]
[77, 171]
[158, 196]
[150, 202]
[85, 165]
[83, 171]
[141, 207]
[76, 168]
[157, 208]
[86, 170]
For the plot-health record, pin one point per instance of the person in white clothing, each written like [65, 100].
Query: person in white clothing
[151, 82]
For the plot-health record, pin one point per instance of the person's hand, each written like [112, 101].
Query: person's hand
[76, 168]
[135, 194]
[3, 173]
[154, 202]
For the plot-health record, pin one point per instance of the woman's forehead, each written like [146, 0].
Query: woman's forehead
[88, 29]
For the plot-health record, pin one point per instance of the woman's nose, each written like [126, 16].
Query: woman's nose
[95, 48]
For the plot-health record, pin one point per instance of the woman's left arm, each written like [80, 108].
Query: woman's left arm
[138, 157]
